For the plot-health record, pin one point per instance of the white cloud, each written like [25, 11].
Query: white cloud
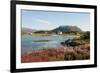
[42, 21]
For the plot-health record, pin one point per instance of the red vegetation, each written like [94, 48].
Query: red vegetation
[81, 52]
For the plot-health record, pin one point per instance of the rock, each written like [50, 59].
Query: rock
[70, 43]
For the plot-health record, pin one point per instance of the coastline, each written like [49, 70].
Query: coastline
[52, 35]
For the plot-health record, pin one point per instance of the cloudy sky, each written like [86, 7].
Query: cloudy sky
[48, 20]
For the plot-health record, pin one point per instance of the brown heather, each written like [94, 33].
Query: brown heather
[81, 52]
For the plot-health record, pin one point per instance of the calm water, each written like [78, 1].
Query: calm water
[27, 43]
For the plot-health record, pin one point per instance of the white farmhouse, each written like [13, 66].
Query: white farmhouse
[59, 32]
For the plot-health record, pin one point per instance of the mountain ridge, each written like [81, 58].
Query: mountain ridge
[67, 28]
[63, 29]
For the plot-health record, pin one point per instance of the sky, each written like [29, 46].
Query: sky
[48, 20]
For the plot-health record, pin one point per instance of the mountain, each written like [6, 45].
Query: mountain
[27, 30]
[65, 29]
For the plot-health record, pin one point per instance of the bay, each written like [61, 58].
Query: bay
[28, 44]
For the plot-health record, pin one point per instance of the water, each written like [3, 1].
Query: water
[28, 44]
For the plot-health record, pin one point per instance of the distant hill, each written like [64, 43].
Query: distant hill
[27, 30]
[65, 29]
